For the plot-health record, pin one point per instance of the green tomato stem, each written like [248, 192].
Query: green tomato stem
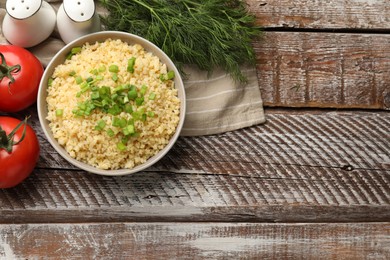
[6, 71]
[7, 141]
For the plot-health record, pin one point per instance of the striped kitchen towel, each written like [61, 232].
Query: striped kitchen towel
[215, 103]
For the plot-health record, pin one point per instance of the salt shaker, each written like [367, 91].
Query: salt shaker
[28, 22]
[76, 18]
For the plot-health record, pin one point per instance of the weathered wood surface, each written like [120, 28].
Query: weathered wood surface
[301, 166]
[320, 14]
[195, 241]
[303, 69]
[307, 184]
[324, 53]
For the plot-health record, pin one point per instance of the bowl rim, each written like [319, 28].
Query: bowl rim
[59, 58]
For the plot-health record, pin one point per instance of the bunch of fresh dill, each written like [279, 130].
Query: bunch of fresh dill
[207, 33]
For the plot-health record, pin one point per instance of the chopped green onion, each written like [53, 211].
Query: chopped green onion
[89, 79]
[128, 108]
[119, 122]
[75, 50]
[102, 68]
[130, 65]
[118, 88]
[168, 76]
[84, 84]
[136, 115]
[122, 123]
[50, 82]
[78, 112]
[85, 87]
[152, 96]
[132, 94]
[113, 68]
[143, 90]
[114, 96]
[126, 87]
[97, 103]
[129, 129]
[100, 125]
[94, 71]
[139, 101]
[95, 95]
[141, 110]
[110, 132]
[59, 112]
[171, 74]
[106, 102]
[104, 91]
[90, 107]
[114, 110]
[78, 79]
[72, 73]
[125, 139]
[115, 121]
[82, 106]
[121, 146]
[114, 100]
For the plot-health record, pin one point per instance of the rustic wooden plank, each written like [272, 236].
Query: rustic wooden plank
[195, 241]
[300, 166]
[315, 138]
[319, 14]
[63, 197]
[340, 70]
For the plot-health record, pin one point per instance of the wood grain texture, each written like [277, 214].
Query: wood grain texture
[314, 138]
[319, 14]
[307, 184]
[340, 70]
[302, 166]
[195, 241]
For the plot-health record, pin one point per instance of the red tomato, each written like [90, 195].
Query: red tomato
[20, 74]
[19, 162]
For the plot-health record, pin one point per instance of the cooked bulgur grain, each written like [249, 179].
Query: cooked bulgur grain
[91, 137]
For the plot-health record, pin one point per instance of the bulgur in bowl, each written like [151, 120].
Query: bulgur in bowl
[111, 103]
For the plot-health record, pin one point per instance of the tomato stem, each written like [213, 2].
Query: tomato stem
[7, 141]
[6, 71]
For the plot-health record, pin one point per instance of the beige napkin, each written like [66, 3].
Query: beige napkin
[218, 104]
[215, 104]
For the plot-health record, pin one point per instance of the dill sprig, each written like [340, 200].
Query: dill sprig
[206, 33]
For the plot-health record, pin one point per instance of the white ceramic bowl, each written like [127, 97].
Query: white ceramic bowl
[59, 58]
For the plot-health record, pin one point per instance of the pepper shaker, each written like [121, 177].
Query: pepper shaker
[76, 18]
[28, 22]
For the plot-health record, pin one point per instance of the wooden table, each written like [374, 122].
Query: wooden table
[313, 182]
